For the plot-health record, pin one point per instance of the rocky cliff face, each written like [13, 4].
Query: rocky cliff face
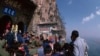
[46, 18]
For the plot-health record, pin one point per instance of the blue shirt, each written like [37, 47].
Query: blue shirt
[20, 38]
[41, 51]
[10, 38]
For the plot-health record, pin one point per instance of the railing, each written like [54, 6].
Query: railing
[44, 29]
[47, 22]
[56, 28]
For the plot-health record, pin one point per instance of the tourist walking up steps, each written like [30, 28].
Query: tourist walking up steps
[80, 45]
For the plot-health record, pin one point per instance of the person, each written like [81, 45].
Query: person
[32, 42]
[57, 50]
[9, 37]
[40, 50]
[20, 51]
[32, 46]
[8, 25]
[80, 45]
[48, 51]
[61, 40]
[19, 37]
[25, 44]
[68, 49]
[3, 52]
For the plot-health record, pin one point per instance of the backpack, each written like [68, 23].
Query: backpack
[68, 51]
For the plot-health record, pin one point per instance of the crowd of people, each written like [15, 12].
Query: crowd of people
[25, 44]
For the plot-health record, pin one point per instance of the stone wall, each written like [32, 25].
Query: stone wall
[46, 12]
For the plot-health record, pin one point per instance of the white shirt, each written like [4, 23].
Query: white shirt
[80, 47]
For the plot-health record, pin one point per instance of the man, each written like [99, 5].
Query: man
[25, 43]
[58, 50]
[48, 51]
[9, 41]
[80, 46]
[40, 49]
[9, 37]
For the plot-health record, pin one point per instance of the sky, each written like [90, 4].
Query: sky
[81, 15]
